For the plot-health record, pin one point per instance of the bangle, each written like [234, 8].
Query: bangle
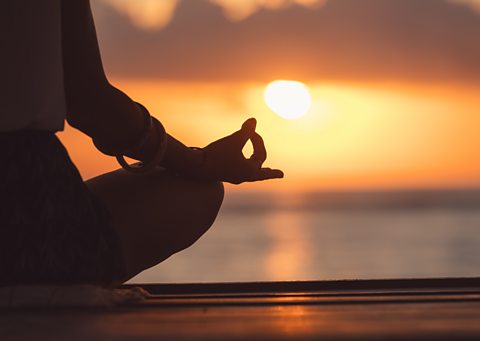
[140, 142]
[141, 167]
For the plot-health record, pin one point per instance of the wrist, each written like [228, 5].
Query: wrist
[192, 163]
[197, 157]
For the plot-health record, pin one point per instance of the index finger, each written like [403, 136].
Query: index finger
[241, 136]
[259, 150]
[268, 173]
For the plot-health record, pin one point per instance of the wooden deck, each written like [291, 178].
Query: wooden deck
[436, 309]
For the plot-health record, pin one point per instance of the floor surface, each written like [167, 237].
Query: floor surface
[347, 310]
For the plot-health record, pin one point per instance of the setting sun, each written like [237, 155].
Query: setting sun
[288, 99]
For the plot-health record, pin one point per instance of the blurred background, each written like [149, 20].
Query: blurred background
[373, 114]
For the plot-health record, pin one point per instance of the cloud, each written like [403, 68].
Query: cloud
[157, 14]
[475, 4]
[146, 14]
[241, 9]
[343, 39]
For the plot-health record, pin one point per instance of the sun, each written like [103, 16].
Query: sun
[288, 99]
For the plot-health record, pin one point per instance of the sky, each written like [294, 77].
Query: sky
[394, 84]
[422, 40]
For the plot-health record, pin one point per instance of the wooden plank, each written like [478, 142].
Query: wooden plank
[446, 310]
[433, 321]
[314, 286]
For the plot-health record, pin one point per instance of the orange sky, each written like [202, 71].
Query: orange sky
[394, 83]
[358, 135]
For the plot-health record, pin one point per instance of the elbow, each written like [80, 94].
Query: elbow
[74, 113]
[73, 109]
[74, 119]
[77, 114]
[83, 104]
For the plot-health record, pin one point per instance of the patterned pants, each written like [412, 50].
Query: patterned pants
[53, 230]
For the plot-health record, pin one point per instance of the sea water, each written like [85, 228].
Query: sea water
[321, 236]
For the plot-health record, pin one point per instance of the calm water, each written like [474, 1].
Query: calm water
[325, 236]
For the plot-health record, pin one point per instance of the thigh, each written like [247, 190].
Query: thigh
[156, 214]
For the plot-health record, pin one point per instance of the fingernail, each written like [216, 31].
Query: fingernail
[251, 123]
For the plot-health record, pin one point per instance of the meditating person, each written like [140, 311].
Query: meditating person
[58, 229]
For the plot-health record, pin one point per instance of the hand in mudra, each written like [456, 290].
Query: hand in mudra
[224, 160]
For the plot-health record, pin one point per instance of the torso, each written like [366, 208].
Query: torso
[31, 85]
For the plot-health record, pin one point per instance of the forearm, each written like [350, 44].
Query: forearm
[106, 115]
[114, 121]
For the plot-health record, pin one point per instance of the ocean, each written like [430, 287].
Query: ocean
[333, 235]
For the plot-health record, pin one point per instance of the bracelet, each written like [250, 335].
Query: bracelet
[141, 167]
[140, 142]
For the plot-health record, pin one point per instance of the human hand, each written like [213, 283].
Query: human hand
[224, 160]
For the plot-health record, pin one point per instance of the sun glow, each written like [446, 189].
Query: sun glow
[288, 99]
[355, 135]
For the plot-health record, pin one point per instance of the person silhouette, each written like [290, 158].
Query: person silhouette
[57, 228]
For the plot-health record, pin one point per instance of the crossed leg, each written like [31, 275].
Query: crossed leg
[157, 214]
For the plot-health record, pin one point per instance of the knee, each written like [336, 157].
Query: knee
[202, 215]
[213, 195]
[216, 195]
